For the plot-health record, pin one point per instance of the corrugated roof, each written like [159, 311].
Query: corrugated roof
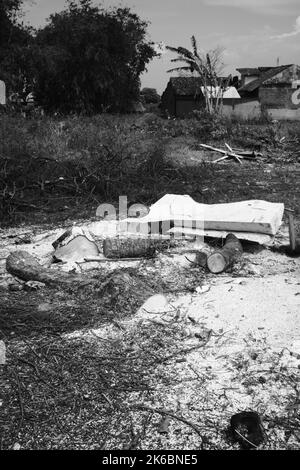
[263, 77]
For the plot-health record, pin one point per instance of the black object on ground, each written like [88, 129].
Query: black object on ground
[247, 429]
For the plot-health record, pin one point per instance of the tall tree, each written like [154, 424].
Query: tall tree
[208, 67]
[89, 59]
[15, 40]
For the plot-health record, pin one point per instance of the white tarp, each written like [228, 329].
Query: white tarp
[254, 216]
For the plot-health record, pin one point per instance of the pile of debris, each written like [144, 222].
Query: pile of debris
[173, 217]
[234, 154]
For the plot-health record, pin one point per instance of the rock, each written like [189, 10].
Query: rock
[156, 304]
[16, 446]
[33, 285]
[2, 353]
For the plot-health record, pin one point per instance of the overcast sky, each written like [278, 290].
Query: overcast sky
[252, 32]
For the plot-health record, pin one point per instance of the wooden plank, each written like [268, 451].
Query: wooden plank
[259, 238]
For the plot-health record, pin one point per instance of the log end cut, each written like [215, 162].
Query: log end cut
[216, 263]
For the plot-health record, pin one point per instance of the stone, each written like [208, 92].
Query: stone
[2, 353]
[156, 304]
[34, 285]
[2, 93]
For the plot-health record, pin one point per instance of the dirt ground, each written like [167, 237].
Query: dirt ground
[159, 358]
[159, 353]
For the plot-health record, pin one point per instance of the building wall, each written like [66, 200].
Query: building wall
[186, 105]
[284, 114]
[168, 100]
[243, 109]
[280, 97]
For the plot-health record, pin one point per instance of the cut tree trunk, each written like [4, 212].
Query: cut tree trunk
[128, 247]
[24, 266]
[222, 259]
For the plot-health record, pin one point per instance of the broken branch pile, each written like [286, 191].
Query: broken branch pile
[237, 155]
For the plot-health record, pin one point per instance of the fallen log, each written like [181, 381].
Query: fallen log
[222, 259]
[128, 247]
[24, 266]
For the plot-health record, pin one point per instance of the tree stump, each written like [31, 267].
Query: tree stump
[222, 259]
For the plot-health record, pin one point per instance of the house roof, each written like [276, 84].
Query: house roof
[270, 73]
[249, 71]
[184, 86]
[188, 86]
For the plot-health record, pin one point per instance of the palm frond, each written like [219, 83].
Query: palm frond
[185, 52]
[173, 49]
[180, 69]
[194, 45]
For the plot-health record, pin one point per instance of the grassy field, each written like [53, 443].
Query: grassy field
[55, 169]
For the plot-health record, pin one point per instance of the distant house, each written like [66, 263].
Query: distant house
[276, 89]
[184, 95]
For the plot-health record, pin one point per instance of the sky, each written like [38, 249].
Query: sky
[251, 32]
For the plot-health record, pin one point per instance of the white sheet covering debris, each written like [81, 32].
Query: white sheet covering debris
[253, 216]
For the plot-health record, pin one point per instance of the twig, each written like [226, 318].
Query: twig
[172, 415]
[243, 437]
[20, 399]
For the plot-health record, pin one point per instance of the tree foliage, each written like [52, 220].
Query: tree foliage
[15, 47]
[208, 67]
[150, 95]
[88, 59]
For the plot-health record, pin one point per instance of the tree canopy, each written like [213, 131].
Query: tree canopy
[15, 39]
[90, 60]
[85, 60]
[150, 95]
